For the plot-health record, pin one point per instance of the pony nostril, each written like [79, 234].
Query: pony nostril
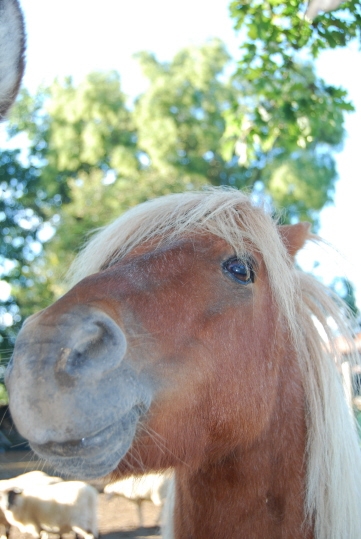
[98, 339]
[70, 360]
[92, 344]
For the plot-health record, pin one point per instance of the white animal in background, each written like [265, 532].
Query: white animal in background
[12, 49]
[152, 487]
[22, 481]
[29, 479]
[58, 508]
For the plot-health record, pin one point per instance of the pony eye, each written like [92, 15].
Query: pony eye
[239, 269]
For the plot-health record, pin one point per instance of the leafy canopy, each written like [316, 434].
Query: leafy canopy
[267, 123]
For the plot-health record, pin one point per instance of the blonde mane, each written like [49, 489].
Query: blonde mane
[332, 500]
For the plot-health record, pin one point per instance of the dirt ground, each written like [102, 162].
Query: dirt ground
[117, 517]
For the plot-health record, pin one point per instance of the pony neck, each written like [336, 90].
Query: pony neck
[253, 492]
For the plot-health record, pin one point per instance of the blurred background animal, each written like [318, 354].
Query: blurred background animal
[12, 53]
[152, 487]
[59, 507]
[22, 481]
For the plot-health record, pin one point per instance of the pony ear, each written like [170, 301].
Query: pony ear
[294, 236]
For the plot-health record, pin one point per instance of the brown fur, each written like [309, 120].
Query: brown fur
[240, 470]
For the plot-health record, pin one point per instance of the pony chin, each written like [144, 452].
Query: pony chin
[93, 456]
[85, 468]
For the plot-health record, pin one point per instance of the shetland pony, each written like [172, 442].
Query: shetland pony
[189, 341]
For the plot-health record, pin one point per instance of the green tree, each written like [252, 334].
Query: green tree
[345, 289]
[180, 118]
[75, 134]
[21, 218]
[269, 127]
[291, 120]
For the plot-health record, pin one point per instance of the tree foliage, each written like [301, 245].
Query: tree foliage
[280, 28]
[345, 289]
[267, 123]
[292, 118]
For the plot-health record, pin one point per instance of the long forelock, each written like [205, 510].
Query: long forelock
[226, 213]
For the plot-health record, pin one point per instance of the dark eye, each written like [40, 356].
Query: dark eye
[239, 269]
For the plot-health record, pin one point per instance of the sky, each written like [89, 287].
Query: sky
[74, 37]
